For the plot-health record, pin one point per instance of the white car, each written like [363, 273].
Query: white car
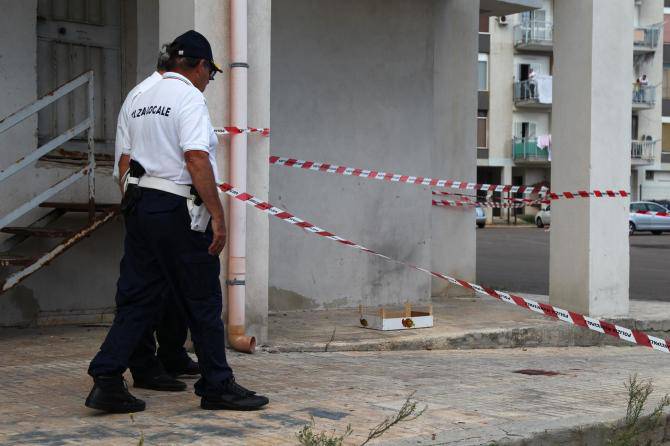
[543, 217]
[647, 222]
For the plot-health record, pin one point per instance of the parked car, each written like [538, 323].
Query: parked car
[664, 203]
[480, 217]
[543, 217]
[647, 222]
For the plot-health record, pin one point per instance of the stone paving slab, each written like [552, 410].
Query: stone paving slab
[460, 323]
[473, 396]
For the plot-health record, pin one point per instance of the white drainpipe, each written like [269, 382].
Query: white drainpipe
[238, 178]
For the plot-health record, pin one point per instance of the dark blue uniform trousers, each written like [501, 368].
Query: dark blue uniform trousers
[163, 255]
[171, 333]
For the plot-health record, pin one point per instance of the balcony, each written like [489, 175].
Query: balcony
[642, 152]
[526, 150]
[644, 96]
[534, 35]
[533, 93]
[645, 38]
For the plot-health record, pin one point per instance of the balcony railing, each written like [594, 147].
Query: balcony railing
[643, 150]
[534, 35]
[526, 149]
[646, 37]
[534, 92]
[644, 96]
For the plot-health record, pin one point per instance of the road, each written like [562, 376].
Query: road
[517, 259]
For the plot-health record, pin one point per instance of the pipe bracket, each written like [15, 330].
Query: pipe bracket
[239, 65]
[235, 282]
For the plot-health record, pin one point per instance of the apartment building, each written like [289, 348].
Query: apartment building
[514, 118]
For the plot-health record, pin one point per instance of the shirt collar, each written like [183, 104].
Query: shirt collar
[173, 75]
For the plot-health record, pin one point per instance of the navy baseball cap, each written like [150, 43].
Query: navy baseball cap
[193, 44]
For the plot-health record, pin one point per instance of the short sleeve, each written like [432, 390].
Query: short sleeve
[122, 141]
[193, 123]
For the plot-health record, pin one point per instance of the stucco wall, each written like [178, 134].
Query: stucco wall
[80, 285]
[352, 83]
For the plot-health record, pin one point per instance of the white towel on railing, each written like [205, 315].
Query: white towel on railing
[544, 91]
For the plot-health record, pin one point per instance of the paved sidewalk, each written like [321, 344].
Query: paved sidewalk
[460, 323]
[473, 397]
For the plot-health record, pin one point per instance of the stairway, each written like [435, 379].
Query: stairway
[15, 263]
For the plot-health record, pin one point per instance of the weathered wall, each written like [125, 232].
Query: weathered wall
[80, 285]
[352, 83]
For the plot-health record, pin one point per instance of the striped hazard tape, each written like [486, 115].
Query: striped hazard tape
[600, 326]
[527, 201]
[238, 131]
[425, 181]
[479, 204]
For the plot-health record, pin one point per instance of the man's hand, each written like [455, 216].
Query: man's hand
[202, 175]
[219, 239]
[124, 166]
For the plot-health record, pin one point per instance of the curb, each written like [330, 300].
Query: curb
[521, 337]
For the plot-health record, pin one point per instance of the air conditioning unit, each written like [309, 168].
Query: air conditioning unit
[502, 20]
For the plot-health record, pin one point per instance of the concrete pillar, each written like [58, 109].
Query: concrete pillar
[211, 18]
[589, 261]
[455, 106]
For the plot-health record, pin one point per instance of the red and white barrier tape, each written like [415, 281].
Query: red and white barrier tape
[238, 130]
[478, 204]
[600, 326]
[424, 181]
[527, 201]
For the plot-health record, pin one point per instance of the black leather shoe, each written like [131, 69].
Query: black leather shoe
[233, 397]
[191, 369]
[197, 388]
[162, 382]
[110, 394]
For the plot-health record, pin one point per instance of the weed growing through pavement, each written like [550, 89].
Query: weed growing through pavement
[638, 393]
[140, 442]
[408, 412]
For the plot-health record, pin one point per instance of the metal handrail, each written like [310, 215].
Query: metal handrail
[526, 91]
[527, 149]
[534, 31]
[86, 125]
[643, 150]
[644, 94]
[650, 37]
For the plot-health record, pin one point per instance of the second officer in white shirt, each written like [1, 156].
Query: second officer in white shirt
[173, 155]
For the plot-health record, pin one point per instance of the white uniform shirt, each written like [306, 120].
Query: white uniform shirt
[166, 121]
[122, 143]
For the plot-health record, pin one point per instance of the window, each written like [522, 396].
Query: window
[655, 207]
[649, 175]
[539, 15]
[665, 140]
[483, 23]
[666, 80]
[524, 130]
[482, 130]
[483, 72]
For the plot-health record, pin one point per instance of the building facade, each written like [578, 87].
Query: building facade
[516, 68]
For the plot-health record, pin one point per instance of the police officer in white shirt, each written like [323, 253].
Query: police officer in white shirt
[173, 178]
[153, 369]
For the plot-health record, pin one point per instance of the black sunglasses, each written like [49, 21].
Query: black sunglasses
[212, 70]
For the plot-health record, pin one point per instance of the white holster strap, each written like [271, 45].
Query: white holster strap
[149, 182]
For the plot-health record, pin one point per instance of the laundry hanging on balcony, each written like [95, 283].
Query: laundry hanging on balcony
[544, 91]
[544, 143]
